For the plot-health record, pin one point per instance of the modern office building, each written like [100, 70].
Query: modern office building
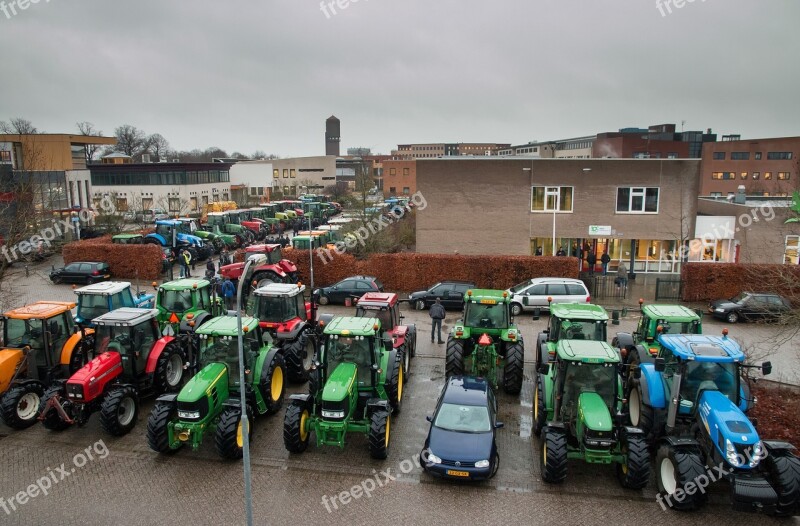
[408, 152]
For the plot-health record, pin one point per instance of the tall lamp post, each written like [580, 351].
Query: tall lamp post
[258, 260]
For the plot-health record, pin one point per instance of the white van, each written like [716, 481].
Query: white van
[538, 290]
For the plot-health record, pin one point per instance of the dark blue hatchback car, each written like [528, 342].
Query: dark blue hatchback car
[461, 441]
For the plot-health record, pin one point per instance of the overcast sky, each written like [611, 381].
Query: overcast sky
[246, 77]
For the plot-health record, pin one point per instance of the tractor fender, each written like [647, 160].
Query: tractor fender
[72, 343]
[625, 340]
[170, 398]
[159, 238]
[300, 397]
[775, 446]
[652, 385]
[377, 403]
[199, 318]
[155, 352]
[263, 362]
[678, 442]
[325, 318]
[644, 354]
[232, 403]
[294, 330]
[632, 431]
[541, 342]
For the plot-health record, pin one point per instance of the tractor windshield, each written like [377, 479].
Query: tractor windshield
[582, 330]
[352, 349]
[274, 256]
[277, 309]
[110, 338]
[19, 333]
[214, 220]
[463, 418]
[164, 230]
[600, 378]
[176, 300]
[714, 376]
[225, 350]
[487, 316]
[689, 327]
[384, 315]
[90, 306]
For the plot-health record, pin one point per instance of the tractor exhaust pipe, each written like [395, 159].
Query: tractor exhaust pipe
[674, 401]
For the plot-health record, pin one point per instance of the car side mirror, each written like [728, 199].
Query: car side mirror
[429, 418]
[498, 425]
[766, 368]
[660, 365]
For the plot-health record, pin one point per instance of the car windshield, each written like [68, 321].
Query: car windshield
[709, 376]
[740, 298]
[520, 287]
[176, 300]
[90, 306]
[19, 333]
[463, 418]
[351, 349]
[276, 309]
[582, 330]
[486, 316]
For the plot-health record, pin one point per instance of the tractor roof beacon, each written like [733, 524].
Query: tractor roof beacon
[282, 311]
[577, 412]
[131, 361]
[209, 402]
[692, 403]
[485, 340]
[356, 387]
[40, 347]
[571, 321]
[386, 307]
[656, 319]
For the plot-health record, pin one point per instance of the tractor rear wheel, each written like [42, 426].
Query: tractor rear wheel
[784, 472]
[539, 411]
[295, 434]
[119, 410]
[299, 357]
[158, 427]
[454, 362]
[640, 414]
[19, 406]
[272, 383]
[229, 439]
[674, 469]
[634, 471]
[379, 433]
[512, 375]
[53, 420]
[169, 369]
[394, 383]
[554, 455]
[404, 351]
[265, 278]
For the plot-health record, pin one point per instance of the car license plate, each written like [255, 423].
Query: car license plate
[454, 473]
[107, 276]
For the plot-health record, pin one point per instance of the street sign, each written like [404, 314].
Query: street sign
[599, 230]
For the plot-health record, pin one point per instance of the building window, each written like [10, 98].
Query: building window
[285, 173]
[122, 204]
[392, 171]
[5, 156]
[292, 174]
[672, 155]
[779, 156]
[743, 175]
[405, 171]
[637, 200]
[392, 190]
[406, 190]
[767, 175]
[758, 156]
[276, 173]
[756, 175]
[193, 204]
[719, 156]
[723, 175]
[783, 176]
[740, 156]
[174, 204]
[551, 198]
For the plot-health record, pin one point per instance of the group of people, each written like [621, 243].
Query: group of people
[591, 261]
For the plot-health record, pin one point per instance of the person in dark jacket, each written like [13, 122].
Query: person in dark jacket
[591, 259]
[605, 259]
[437, 314]
[228, 293]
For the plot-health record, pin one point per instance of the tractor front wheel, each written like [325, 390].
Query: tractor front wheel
[784, 472]
[512, 375]
[299, 357]
[53, 420]
[394, 383]
[295, 434]
[379, 433]
[634, 471]
[229, 438]
[119, 411]
[640, 414]
[272, 383]
[554, 455]
[265, 278]
[675, 468]
[169, 369]
[454, 362]
[158, 427]
[19, 406]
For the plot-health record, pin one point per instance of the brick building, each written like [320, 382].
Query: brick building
[399, 178]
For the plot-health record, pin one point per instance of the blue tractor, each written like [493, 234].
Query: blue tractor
[692, 401]
[100, 298]
[169, 234]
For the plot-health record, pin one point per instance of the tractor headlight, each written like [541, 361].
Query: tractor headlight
[332, 414]
[730, 454]
[759, 454]
[432, 459]
[482, 464]
[189, 415]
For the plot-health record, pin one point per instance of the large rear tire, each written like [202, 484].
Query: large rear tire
[554, 455]
[454, 362]
[394, 384]
[674, 469]
[634, 471]
[19, 406]
[539, 410]
[295, 434]
[404, 351]
[512, 375]
[158, 427]
[119, 411]
[272, 384]
[53, 420]
[379, 434]
[228, 438]
[169, 369]
[640, 414]
[299, 357]
[784, 472]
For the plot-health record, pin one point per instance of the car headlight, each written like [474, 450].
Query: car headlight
[189, 414]
[432, 459]
[719, 309]
[332, 414]
[482, 464]
[730, 453]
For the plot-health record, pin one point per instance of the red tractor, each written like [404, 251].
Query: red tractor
[386, 307]
[254, 224]
[131, 360]
[275, 270]
[282, 311]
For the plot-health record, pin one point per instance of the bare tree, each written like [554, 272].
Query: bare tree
[130, 140]
[159, 146]
[18, 126]
[89, 150]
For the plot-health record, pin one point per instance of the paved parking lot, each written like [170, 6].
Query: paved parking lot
[133, 485]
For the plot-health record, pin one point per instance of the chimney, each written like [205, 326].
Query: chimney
[740, 197]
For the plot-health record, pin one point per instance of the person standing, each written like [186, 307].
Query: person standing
[437, 314]
[622, 275]
[561, 252]
[228, 292]
[605, 259]
[538, 251]
[591, 259]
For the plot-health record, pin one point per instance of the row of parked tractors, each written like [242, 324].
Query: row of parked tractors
[665, 390]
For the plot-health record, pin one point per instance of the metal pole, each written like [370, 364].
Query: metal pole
[554, 232]
[248, 496]
[311, 256]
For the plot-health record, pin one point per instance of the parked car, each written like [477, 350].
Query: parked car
[450, 292]
[538, 290]
[352, 287]
[461, 439]
[81, 272]
[750, 306]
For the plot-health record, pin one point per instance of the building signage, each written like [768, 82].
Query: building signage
[599, 230]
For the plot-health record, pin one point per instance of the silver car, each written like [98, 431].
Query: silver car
[534, 293]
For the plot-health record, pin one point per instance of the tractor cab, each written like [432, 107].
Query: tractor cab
[127, 239]
[129, 332]
[219, 344]
[176, 299]
[280, 307]
[484, 312]
[99, 298]
[301, 242]
[351, 357]
[577, 321]
[666, 319]
[386, 307]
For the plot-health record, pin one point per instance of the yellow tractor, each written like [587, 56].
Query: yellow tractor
[40, 345]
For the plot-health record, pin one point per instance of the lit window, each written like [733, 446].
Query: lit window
[783, 176]
[551, 198]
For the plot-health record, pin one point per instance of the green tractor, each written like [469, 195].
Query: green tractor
[486, 340]
[210, 401]
[356, 386]
[571, 321]
[190, 226]
[176, 299]
[578, 411]
[232, 233]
